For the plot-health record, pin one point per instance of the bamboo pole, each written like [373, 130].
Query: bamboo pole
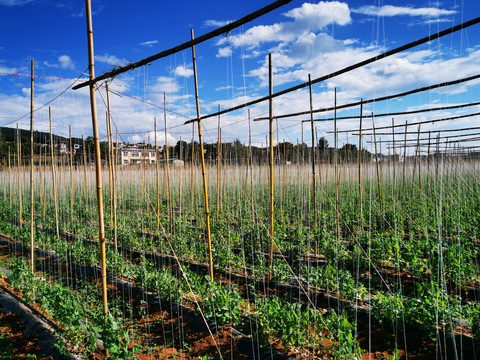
[44, 178]
[54, 181]
[115, 191]
[157, 180]
[360, 187]
[40, 159]
[250, 156]
[109, 149]
[404, 158]
[219, 161]
[314, 179]
[379, 185]
[98, 162]
[85, 172]
[167, 166]
[270, 133]
[202, 156]
[71, 173]
[335, 161]
[19, 170]
[10, 178]
[192, 172]
[32, 205]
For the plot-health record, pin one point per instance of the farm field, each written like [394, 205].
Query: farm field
[408, 283]
[298, 180]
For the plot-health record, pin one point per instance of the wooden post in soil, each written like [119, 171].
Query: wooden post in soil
[109, 150]
[40, 159]
[85, 172]
[19, 171]
[10, 178]
[167, 167]
[428, 164]
[157, 180]
[360, 187]
[419, 162]
[270, 133]
[115, 193]
[250, 156]
[71, 172]
[314, 178]
[54, 180]
[192, 174]
[202, 157]
[44, 177]
[404, 159]
[98, 160]
[219, 161]
[379, 185]
[335, 161]
[32, 209]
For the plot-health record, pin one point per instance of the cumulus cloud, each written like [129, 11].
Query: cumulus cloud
[111, 59]
[308, 17]
[149, 43]
[215, 23]
[224, 52]
[390, 10]
[164, 84]
[14, 2]
[64, 62]
[183, 71]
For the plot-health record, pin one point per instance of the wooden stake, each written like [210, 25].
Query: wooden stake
[377, 165]
[19, 170]
[32, 209]
[85, 173]
[167, 166]
[98, 162]
[71, 173]
[219, 160]
[202, 156]
[270, 132]
[157, 175]
[54, 181]
[360, 187]
[10, 178]
[404, 158]
[314, 179]
[335, 161]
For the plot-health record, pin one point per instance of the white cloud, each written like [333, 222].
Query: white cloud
[66, 62]
[111, 59]
[322, 14]
[14, 2]
[183, 71]
[216, 23]
[224, 52]
[149, 43]
[390, 10]
[164, 84]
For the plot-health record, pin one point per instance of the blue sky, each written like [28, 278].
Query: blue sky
[313, 37]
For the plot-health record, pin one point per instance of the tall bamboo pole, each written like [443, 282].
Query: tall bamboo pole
[379, 185]
[85, 172]
[157, 180]
[71, 172]
[314, 178]
[44, 177]
[219, 161]
[10, 178]
[54, 181]
[360, 187]
[192, 174]
[19, 170]
[270, 133]
[404, 158]
[202, 157]
[98, 160]
[167, 166]
[40, 159]
[115, 190]
[109, 150]
[250, 156]
[32, 210]
[335, 161]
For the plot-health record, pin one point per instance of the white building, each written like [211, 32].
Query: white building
[134, 155]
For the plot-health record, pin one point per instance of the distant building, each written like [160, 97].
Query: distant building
[135, 156]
